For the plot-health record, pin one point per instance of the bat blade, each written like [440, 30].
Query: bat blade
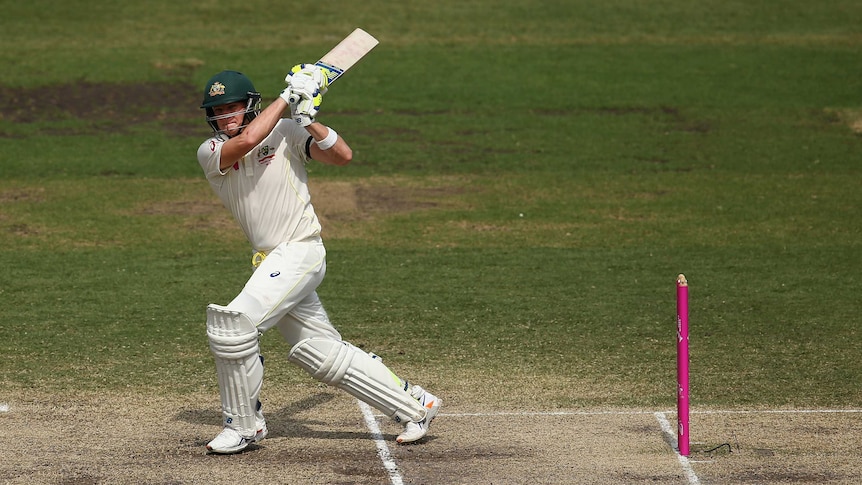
[344, 55]
[347, 53]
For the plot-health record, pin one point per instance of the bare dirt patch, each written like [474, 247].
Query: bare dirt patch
[850, 117]
[780, 447]
[347, 209]
[22, 194]
[104, 107]
[365, 198]
[197, 207]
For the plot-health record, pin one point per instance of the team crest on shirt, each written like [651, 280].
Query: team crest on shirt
[265, 154]
[217, 89]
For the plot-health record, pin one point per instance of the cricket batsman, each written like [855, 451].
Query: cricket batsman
[255, 163]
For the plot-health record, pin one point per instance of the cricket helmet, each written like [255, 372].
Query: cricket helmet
[230, 87]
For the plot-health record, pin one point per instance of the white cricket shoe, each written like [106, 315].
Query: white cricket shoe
[415, 430]
[230, 441]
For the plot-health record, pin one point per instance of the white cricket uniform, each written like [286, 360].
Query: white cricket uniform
[267, 193]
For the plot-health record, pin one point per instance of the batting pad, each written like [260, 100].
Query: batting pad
[234, 343]
[346, 367]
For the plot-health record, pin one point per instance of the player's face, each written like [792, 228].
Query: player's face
[231, 124]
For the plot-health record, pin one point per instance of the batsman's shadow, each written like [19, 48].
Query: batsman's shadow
[284, 422]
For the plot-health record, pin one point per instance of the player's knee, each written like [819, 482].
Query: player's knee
[327, 360]
[232, 335]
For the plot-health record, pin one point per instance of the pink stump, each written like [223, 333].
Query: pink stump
[682, 364]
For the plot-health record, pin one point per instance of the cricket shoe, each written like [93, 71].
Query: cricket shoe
[230, 441]
[415, 430]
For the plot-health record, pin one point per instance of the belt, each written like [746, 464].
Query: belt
[259, 256]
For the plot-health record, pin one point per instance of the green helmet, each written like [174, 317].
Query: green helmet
[230, 87]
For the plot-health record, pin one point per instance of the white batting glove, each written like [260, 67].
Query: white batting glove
[302, 86]
[319, 74]
[302, 109]
[288, 97]
[306, 84]
[305, 111]
[305, 79]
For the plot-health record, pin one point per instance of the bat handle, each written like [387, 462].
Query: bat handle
[293, 98]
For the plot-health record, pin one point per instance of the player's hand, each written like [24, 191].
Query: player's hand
[302, 87]
[302, 108]
[305, 79]
[306, 83]
[288, 97]
[315, 72]
[305, 111]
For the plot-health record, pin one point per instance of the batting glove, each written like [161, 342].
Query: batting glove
[307, 78]
[305, 111]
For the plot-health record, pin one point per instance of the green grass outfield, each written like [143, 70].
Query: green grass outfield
[559, 164]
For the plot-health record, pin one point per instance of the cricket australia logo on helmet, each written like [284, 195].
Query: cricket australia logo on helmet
[217, 89]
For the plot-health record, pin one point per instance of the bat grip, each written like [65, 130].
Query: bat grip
[293, 98]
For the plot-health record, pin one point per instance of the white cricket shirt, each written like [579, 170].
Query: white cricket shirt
[267, 190]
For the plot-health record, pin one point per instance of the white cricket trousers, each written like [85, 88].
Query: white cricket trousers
[282, 292]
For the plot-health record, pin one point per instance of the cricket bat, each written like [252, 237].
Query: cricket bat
[344, 55]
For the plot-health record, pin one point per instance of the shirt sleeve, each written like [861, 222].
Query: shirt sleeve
[296, 136]
[209, 157]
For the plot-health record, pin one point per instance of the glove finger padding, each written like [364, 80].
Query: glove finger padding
[307, 109]
[303, 86]
[318, 75]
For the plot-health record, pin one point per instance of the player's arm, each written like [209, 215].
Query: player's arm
[328, 146]
[235, 148]
[307, 83]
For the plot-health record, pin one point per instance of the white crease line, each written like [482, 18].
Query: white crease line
[548, 413]
[4, 408]
[634, 413]
[686, 466]
[382, 449]
[782, 411]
